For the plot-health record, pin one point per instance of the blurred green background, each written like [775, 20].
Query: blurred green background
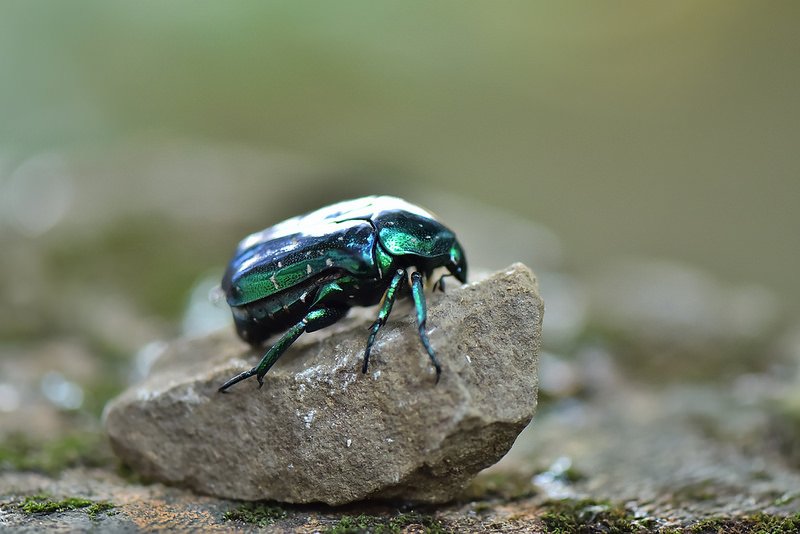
[140, 141]
[664, 129]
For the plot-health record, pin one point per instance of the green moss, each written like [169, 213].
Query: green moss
[42, 504]
[20, 453]
[588, 516]
[260, 514]
[505, 486]
[753, 524]
[385, 525]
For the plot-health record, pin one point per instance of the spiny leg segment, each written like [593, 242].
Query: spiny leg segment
[383, 314]
[314, 320]
[422, 315]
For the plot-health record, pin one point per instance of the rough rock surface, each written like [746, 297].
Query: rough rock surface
[319, 430]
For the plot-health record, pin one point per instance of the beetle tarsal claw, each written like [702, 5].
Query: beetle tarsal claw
[235, 380]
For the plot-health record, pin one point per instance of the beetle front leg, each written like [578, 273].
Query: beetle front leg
[314, 320]
[383, 314]
[422, 315]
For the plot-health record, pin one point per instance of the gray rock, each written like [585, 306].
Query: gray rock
[319, 430]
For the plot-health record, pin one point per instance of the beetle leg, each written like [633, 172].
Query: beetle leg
[422, 315]
[383, 314]
[314, 320]
[439, 284]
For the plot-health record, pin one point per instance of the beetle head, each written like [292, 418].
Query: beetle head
[458, 263]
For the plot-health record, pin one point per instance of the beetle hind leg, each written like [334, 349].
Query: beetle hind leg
[314, 320]
[422, 316]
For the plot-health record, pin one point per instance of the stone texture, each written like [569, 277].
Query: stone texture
[319, 430]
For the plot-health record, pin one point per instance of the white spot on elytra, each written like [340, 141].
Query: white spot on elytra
[274, 281]
[280, 264]
[303, 296]
[427, 237]
[340, 238]
[329, 262]
[308, 268]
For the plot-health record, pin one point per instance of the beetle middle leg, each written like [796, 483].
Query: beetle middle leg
[314, 320]
[422, 315]
[383, 314]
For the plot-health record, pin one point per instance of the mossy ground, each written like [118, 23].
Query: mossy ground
[260, 514]
[156, 505]
[590, 516]
[379, 519]
[394, 524]
[757, 523]
[43, 504]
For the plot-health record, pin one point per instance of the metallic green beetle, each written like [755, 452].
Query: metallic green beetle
[305, 273]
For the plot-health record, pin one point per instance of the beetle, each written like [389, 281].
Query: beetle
[305, 273]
